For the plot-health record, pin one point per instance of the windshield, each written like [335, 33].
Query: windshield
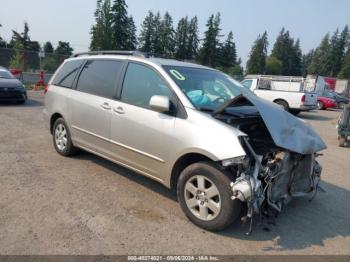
[5, 74]
[206, 89]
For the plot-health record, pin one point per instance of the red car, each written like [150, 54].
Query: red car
[325, 103]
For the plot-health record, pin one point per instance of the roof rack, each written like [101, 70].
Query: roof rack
[113, 52]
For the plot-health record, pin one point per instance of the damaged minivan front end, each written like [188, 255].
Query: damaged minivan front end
[281, 151]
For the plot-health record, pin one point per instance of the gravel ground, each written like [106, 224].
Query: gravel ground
[86, 205]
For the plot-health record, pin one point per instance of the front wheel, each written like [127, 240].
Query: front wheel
[204, 194]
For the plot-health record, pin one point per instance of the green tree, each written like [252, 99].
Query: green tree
[102, 31]
[306, 62]
[273, 66]
[181, 39]
[209, 53]
[288, 52]
[228, 53]
[131, 40]
[147, 33]
[256, 63]
[167, 42]
[2, 41]
[157, 35]
[345, 70]
[192, 39]
[29, 49]
[338, 44]
[320, 63]
[48, 48]
[62, 51]
[120, 24]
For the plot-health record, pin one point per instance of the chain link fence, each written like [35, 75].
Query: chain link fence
[30, 63]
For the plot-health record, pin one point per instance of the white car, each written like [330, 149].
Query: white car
[284, 91]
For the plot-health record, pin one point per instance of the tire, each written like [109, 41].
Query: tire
[320, 105]
[62, 139]
[21, 102]
[295, 112]
[283, 104]
[219, 210]
[341, 105]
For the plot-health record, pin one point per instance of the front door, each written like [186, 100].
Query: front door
[142, 138]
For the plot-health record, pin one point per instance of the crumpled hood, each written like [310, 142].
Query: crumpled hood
[287, 131]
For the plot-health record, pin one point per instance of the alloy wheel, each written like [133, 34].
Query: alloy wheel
[202, 197]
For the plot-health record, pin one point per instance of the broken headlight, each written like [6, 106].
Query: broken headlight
[243, 160]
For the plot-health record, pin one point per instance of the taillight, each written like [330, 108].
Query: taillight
[46, 89]
[303, 98]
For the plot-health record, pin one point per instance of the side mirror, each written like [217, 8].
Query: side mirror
[160, 104]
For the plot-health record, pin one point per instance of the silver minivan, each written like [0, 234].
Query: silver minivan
[192, 128]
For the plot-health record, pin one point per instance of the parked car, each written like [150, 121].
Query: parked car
[192, 128]
[11, 89]
[339, 99]
[285, 91]
[324, 103]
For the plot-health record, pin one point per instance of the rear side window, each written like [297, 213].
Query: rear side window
[99, 77]
[67, 73]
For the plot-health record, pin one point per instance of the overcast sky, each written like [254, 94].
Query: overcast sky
[71, 20]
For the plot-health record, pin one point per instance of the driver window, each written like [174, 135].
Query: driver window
[140, 84]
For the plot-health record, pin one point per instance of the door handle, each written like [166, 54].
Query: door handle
[106, 106]
[119, 110]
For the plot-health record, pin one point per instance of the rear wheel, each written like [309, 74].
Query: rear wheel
[62, 139]
[204, 194]
[295, 112]
[283, 104]
[320, 105]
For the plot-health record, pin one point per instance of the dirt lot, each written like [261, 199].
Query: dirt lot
[86, 205]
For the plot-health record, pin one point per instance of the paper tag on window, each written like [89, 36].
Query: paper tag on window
[177, 74]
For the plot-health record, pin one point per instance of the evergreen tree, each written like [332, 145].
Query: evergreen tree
[256, 63]
[120, 24]
[131, 40]
[157, 35]
[167, 42]
[228, 53]
[320, 63]
[305, 63]
[297, 56]
[273, 66]
[192, 39]
[147, 33]
[288, 53]
[64, 49]
[181, 39]
[2, 42]
[338, 45]
[48, 48]
[345, 70]
[101, 32]
[209, 53]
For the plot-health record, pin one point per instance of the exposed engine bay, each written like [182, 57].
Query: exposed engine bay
[272, 172]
